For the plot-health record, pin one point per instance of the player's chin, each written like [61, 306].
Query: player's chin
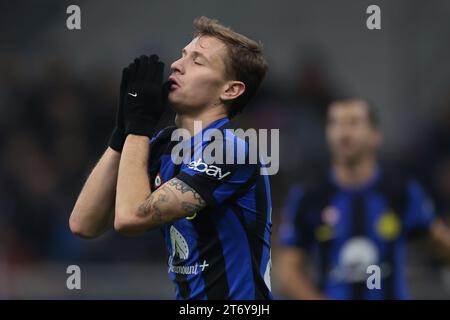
[173, 98]
[176, 104]
[344, 155]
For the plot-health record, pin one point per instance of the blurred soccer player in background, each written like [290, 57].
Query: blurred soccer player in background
[357, 214]
[216, 222]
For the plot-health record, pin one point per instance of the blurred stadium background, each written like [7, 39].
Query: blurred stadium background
[58, 94]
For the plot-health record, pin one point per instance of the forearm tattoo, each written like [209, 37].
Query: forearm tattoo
[165, 196]
[183, 187]
[152, 204]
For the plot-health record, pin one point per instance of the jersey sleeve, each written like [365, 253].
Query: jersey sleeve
[217, 182]
[420, 210]
[294, 231]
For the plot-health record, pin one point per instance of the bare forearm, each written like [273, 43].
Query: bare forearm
[137, 208]
[93, 212]
[440, 233]
[294, 279]
[298, 286]
[133, 186]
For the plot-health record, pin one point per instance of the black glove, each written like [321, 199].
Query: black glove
[143, 101]
[117, 139]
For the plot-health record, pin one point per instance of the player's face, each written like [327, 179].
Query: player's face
[198, 76]
[349, 132]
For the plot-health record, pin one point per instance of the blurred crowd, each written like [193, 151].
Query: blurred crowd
[54, 125]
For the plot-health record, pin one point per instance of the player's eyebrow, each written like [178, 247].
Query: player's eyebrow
[195, 54]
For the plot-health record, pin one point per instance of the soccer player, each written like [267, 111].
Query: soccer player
[215, 217]
[356, 215]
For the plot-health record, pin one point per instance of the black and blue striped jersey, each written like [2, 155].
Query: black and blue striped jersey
[346, 230]
[222, 251]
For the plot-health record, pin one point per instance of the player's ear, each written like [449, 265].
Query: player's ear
[378, 137]
[232, 90]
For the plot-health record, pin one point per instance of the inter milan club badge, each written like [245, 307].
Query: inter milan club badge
[158, 181]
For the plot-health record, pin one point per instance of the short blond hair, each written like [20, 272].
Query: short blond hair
[245, 61]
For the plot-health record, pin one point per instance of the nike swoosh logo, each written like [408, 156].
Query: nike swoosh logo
[133, 94]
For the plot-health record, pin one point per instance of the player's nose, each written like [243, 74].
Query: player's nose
[176, 66]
